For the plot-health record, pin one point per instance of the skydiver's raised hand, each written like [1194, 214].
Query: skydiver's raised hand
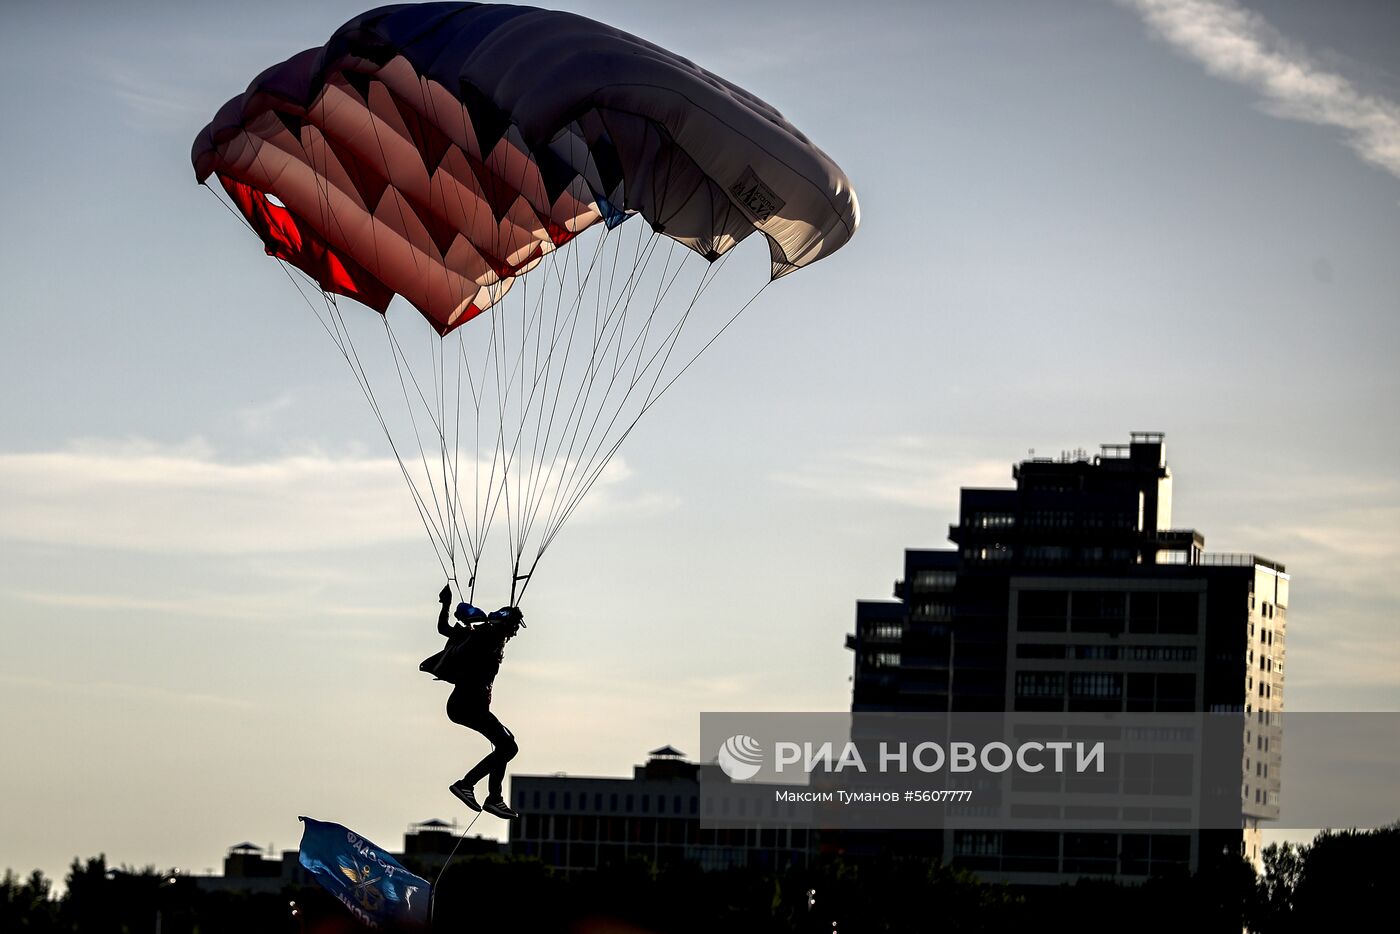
[446, 596]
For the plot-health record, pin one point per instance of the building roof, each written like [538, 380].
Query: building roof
[666, 752]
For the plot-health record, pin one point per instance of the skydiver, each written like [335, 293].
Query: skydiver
[470, 661]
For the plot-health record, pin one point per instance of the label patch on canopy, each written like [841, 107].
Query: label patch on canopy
[755, 198]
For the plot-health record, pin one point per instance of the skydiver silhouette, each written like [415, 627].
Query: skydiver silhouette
[470, 661]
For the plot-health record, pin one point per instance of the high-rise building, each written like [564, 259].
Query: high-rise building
[1072, 592]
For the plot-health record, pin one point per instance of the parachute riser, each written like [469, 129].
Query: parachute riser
[514, 582]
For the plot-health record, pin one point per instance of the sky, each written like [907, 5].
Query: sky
[1079, 219]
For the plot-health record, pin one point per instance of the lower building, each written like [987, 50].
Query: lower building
[572, 822]
[426, 848]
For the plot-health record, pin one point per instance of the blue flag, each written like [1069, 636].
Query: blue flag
[368, 881]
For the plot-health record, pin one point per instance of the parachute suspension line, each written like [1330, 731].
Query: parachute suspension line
[475, 543]
[458, 519]
[227, 207]
[502, 395]
[596, 463]
[605, 332]
[402, 365]
[589, 451]
[505, 452]
[535, 324]
[449, 466]
[435, 532]
[527, 479]
[433, 901]
[443, 506]
[340, 336]
[333, 325]
[538, 476]
[732, 318]
[396, 352]
[527, 491]
[527, 488]
[485, 515]
[509, 373]
[340, 339]
[600, 331]
[653, 397]
[542, 430]
[360, 381]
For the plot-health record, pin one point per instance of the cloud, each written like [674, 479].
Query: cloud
[258, 418]
[145, 497]
[149, 101]
[1338, 533]
[108, 690]
[1238, 45]
[904, 471]
[139, 496]
[258, 606]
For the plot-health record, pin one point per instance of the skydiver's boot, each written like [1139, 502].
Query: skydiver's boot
[466, 793]
[496, 805]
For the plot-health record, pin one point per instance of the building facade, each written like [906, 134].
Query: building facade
[573, 822]
[1073, 592]
[427, 845]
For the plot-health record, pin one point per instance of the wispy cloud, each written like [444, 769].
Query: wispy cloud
[1338, 532]
[149, 101]
[146, 497]
[255, 419]
[260, 606]
[107, 690]
[905, 471]
[136, 495]
[1239, 45]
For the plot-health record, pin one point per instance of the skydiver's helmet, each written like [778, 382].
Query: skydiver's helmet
[510, 615]
[469, 614]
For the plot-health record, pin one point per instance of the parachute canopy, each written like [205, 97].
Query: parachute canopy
[437, 151]
[440, 152]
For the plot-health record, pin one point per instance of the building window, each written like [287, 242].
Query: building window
[976, 843]
[1048, 554]
[932, 611]
[1040, 683]
[1096, 684]
[987, 553]
[935, 580]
